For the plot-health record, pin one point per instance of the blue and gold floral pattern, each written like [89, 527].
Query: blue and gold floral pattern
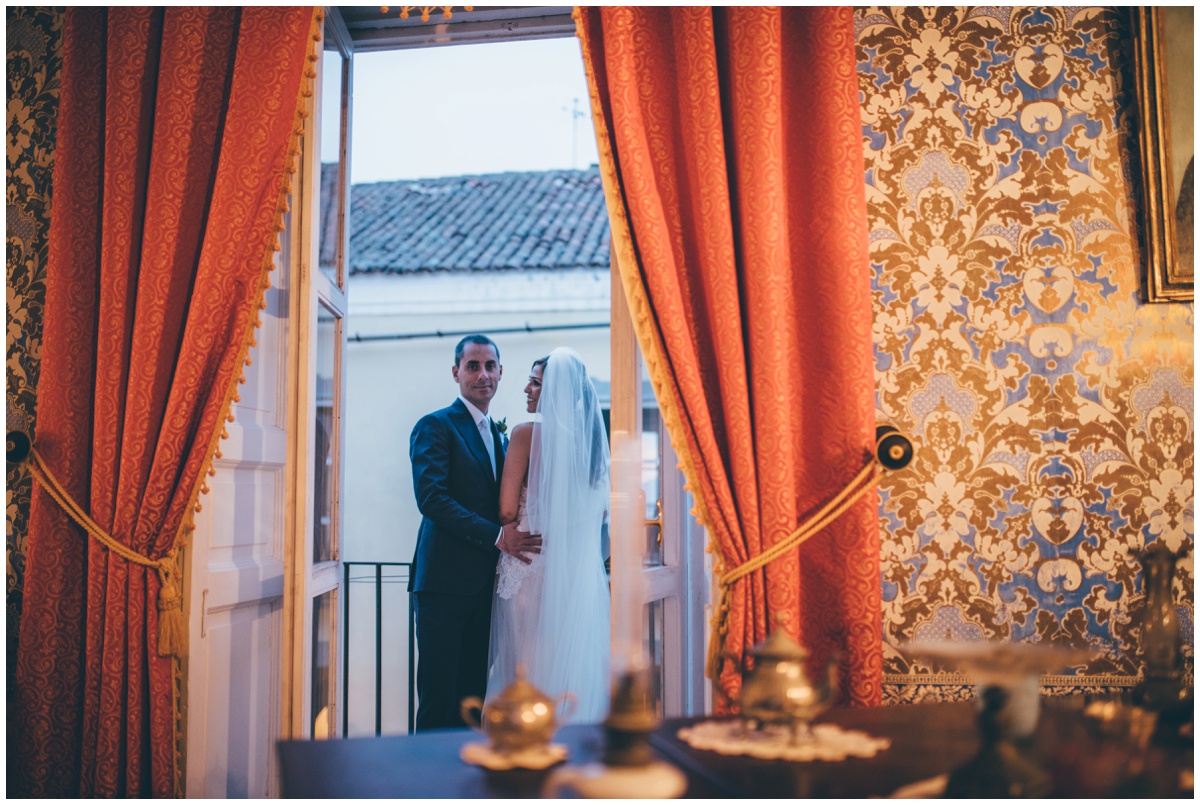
[34, 66]
[1051, 409]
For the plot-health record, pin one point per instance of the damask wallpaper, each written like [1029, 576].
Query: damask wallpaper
[34, 65]
[1051, 411]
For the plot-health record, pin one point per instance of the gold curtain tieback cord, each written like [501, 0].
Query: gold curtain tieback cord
[841, 502]
[171, 640]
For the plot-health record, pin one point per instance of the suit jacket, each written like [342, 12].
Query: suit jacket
[459, 501]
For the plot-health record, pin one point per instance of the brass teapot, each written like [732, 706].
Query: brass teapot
[777, 689]
[519, 717]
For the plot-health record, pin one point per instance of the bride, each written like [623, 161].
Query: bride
[551, 616]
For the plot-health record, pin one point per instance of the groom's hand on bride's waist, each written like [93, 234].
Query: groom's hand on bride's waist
[519, 543]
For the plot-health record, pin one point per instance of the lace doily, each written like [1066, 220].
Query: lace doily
[535, 757]
[827, 742]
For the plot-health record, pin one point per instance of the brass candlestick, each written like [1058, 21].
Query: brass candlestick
[1007, 676]
[998, 769]
[630, 721]
[1162, 686]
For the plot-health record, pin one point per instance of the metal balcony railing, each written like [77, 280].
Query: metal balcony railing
[359, 574]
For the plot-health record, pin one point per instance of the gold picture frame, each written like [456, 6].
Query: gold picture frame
[1163, 64]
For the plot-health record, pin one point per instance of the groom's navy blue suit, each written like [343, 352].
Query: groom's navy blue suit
[454, 568]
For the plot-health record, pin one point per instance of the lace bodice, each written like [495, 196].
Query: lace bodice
[512, 571]
[522, 513]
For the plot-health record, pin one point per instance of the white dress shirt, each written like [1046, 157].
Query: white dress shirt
[484, 423]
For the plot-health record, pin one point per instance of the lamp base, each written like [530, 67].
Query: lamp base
[655, 780]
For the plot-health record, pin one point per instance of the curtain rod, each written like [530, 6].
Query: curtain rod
[528, 328]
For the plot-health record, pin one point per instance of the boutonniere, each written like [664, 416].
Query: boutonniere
[502, 426]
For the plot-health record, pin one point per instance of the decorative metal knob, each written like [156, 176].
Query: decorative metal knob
[18, 443]
[893, 449]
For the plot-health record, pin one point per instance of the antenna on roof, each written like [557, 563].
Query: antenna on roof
[576, 114]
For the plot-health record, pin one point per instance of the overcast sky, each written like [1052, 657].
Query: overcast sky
[467, 109]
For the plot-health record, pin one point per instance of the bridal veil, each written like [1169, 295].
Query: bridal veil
[563, 639]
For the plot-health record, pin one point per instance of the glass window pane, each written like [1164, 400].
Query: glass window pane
[651, 484]
[325, 436]
[324, 674]
[329, 232]
[654, 644]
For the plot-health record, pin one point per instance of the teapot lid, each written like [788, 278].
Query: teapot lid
[778, 646]
[519, 692]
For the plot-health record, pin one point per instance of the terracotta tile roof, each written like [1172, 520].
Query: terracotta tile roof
[506, 221]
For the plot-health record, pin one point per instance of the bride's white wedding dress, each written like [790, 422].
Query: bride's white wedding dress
[552, 615]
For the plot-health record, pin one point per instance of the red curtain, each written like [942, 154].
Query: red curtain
[177, 130]
[731, 151]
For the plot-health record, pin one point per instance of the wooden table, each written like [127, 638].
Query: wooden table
[927, 740]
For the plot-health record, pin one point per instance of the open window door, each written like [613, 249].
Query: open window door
[237, 563]
[312, 677]
[675, 569]
[264, 565]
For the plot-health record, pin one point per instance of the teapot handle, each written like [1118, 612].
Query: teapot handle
[834, 675]
[467, 709]
[567, 705]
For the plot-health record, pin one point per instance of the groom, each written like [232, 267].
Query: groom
[457, 457]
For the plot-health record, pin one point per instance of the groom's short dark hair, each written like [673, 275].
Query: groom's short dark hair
[482, 340]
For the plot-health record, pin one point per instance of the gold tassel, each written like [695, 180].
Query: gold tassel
[716, 643]
[172, 633]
